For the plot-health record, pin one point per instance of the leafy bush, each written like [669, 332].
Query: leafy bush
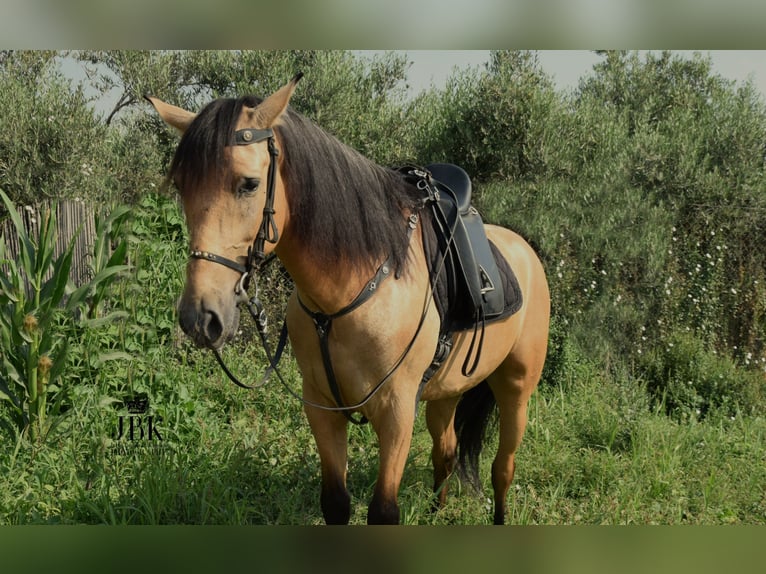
[645, 226]
[491, 123]
[51, 145]
[690, 380]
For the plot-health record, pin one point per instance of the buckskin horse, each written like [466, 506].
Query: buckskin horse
[256, 178]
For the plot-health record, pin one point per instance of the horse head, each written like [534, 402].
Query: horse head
[226, 168]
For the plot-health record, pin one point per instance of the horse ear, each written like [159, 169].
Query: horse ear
[172, 115]
[268, 112]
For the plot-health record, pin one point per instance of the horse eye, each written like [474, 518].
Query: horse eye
[249, 185]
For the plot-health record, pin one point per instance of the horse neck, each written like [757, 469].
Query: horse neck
[322, 288]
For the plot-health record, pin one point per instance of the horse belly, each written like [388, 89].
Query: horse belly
[449, 380]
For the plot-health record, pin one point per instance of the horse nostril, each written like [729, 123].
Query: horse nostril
[187, 319]
[203, 322]
[212, 327]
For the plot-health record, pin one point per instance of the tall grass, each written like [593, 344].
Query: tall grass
[40, 311]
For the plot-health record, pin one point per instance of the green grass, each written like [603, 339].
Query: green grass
[230, 456]
[590, 457]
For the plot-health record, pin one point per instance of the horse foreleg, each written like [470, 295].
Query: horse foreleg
[440, 417]
[330, 431]
[395, 437]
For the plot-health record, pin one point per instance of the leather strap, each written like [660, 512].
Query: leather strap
[250, 136]
[207, 256]
[323, 325]
[268, 231]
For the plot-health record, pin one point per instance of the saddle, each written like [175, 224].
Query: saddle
[473, 283]
[475, 286]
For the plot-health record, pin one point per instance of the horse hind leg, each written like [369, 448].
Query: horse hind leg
[512, 386]
[440, 416]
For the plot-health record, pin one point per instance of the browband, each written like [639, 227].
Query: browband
[249, 136]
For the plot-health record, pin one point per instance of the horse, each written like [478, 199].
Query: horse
[257, 179]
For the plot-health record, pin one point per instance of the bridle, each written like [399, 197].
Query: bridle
[268, 231]
[256, 253]
[257, 259]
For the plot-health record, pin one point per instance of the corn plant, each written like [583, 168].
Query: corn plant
[38, 308]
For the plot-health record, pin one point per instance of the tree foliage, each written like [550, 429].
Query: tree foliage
[50, 142]
[643, 189]
[356, 100]
[488, 121]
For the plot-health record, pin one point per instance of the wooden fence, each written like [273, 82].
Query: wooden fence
[70, 215]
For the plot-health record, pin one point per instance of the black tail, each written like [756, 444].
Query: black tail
[474, 415]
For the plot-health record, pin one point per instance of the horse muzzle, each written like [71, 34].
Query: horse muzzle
[208, 324]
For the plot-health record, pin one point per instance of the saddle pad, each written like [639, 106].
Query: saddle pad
[448, 303]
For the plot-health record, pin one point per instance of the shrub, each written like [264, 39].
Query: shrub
[51, 145]
[492, 122]
[690, 380]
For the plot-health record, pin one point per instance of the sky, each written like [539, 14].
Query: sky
[568, 66]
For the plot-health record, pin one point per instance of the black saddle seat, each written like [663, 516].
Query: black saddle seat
[456, 179]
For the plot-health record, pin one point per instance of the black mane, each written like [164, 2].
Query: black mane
[345, 209]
